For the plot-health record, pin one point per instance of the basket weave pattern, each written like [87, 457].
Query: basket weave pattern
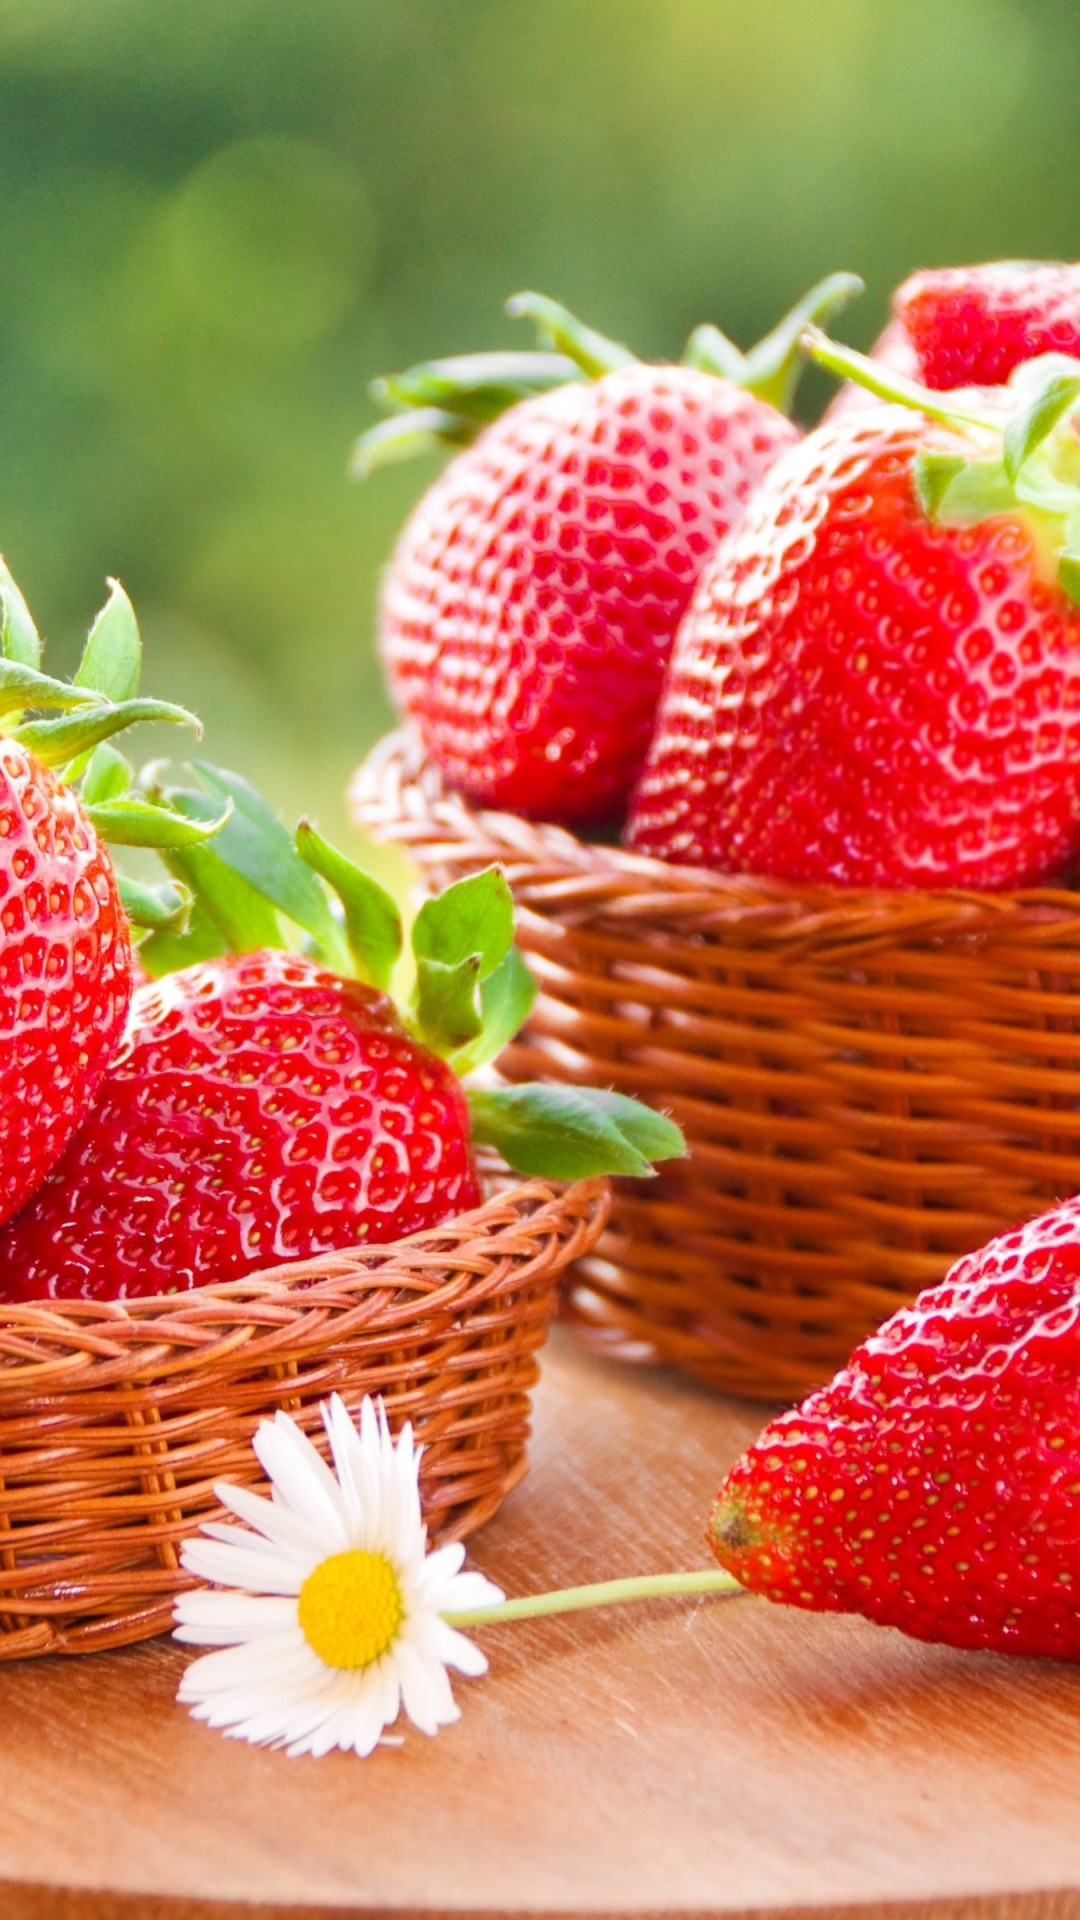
[116, 1419]
[871, 1083]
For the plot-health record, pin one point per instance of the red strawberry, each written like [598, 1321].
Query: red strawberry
[933, 1484]
[530, 605]
[260, 1109]
[65, 969]
[971, 326]
[878, 681]
[65, 951]
[263, 1107]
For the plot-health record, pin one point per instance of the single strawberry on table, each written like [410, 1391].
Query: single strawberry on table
[878, 680]
[65, 950]
[269, 1105]
[934, 1484]
[529, 608]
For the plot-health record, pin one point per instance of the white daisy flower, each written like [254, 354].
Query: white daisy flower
[329, 1614]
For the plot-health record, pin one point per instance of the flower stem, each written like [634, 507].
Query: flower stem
[603, 1593]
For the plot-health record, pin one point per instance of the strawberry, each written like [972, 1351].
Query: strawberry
[972, 326]
[530, 605]
[932, 1485]
[65, 950]
[261, 1108]
[264, 1106]
[878, 681]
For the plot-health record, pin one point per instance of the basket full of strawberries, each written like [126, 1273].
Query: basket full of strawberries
[776, 736]
[239, 1172]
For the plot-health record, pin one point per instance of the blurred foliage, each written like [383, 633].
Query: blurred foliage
[219, 218]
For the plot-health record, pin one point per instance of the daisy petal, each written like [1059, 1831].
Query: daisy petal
[425, 1690]
[243, 1567]
[213, 1619]
[281, 1665]
[466, 1591]
[301, 1476]
[442, 1564]
[435, 1640]
[276, 1522]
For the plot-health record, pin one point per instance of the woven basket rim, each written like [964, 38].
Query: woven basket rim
[555, 852]
[201, 1315]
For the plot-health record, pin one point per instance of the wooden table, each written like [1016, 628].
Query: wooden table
[711, 1757]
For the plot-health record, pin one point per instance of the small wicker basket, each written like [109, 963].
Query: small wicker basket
[116, 1419]
[871, 1083]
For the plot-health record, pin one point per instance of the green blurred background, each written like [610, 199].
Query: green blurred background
[220, 218]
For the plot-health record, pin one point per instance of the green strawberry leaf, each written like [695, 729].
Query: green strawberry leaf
[710, 351]
[473, 916]
[195, 937]
[479, 386]
[19, 640]
[57, 742]
[934, 474]
[652, 1133]
[159, 909]
[421, 430]
[446, 1004]
[129, 821]
[372, 921]
[506, 999]
[957, 492]
[233, 916]
[558, 328]
[1037, 485]
[566, 1133]
[459, 940]
[1069, 576]
[1051, 397]
[771, 369]
[108, 776]
[24, 687]
[261, 851]
[112, 657]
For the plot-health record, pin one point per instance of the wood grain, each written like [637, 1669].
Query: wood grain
[722, 1757]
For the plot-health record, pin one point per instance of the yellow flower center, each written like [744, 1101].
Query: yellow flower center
[350, 1608]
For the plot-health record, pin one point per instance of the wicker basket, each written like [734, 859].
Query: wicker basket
[871, 1083]
[115, 1420]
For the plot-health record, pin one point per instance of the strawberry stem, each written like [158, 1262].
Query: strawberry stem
[771, 370]
[602, 1593]
[883, 381]
[558, 328]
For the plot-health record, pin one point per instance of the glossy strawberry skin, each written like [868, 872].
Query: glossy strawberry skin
[260, 1110]
[530, 607]
[971, 326]
[65, 970]
[860, 697]
[934, 1485]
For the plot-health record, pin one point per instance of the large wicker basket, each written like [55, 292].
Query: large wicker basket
[116, 1420]
[871, 1083]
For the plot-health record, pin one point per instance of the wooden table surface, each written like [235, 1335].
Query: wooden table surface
[710, 1757]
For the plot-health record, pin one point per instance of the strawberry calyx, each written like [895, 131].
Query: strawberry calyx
[1021, 457]
[771, 369]
[68, 727]
[458, 981]
[448, 402]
